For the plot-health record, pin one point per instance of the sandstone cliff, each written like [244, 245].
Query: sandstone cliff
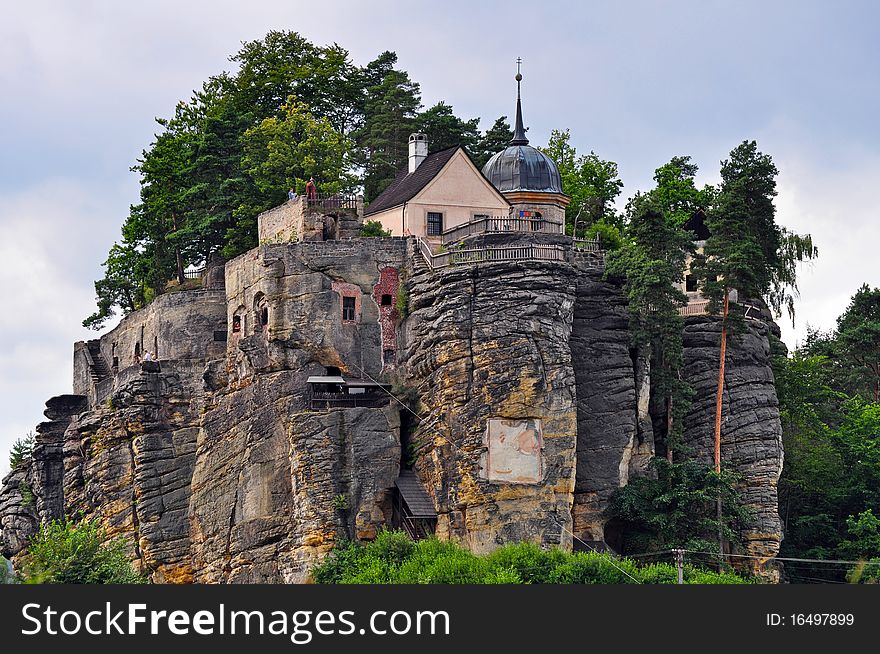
[521, 410]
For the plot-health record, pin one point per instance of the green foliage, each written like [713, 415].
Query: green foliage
[676, 192]
[651, 262]
[444, 129]
[747, 250]
[27, 495]
[858, 334]
[6, 577]
[340, 502]
[284, 151]
[391, 107]
[374, 229]
[292, 110]
[677, 509]
[394, 559]
[401, 302]
[610, 236]
[493, 141]
[592, 183]
[66, 553]
[123, 285]
[829, 492]
[22, 448]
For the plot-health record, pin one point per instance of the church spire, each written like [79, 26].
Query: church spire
[519, 132]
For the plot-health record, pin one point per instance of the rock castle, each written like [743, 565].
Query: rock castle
[469, 376]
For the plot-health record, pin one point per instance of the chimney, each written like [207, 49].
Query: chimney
[418, 150]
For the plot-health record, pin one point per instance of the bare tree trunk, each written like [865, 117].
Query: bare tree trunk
[719, 401]
[669, 428]
[719, 397]
[181, 277]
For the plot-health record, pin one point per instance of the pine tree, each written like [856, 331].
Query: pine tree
[493, 141]
[391, 110]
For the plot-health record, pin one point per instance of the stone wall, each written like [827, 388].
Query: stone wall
[175, 326]
[306, 331]
[298, 220]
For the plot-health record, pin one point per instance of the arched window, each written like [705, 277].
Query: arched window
[261, 313]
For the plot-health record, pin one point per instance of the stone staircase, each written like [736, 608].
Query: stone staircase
[99, 370]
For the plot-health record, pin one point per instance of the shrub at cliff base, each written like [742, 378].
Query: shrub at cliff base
[395, 559]
[65, 552]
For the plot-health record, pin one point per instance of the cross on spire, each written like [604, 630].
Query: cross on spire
[519, 132]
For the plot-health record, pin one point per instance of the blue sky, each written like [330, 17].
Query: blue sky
[637, 82]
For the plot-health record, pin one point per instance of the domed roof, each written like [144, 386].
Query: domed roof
[523, 168]
[520, 167]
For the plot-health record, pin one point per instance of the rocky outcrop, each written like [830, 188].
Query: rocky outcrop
[521, 407]
[751, 432]
[488, 343]
[609, 447]
[276, 486]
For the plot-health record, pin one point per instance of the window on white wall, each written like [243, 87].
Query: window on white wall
[435, 223]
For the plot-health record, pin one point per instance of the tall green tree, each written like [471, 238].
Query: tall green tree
[746, 250]
[858, 337]
[123, 285]
[593, 183]
[676, 192]
[651, 262]
[493, 141]
[391, 110]
[444, 129]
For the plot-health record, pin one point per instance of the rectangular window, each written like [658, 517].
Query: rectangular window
[435, 223]
[388, 357]
[348, 308]
[690, 283]
[386, 300]
[236, 324]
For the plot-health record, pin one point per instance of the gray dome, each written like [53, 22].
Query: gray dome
[523, 168]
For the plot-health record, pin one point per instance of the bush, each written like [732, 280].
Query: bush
[401, 302]
[64, 552]
[677, 509]
[394, 559]
[374, 229]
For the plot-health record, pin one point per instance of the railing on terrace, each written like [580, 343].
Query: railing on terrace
[587, 244]
[194, 274]
[331, 400]
[694, 308]
[500, 225]
[332, 201]
[458, 257]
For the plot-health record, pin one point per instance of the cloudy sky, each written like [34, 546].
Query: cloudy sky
[637, 82]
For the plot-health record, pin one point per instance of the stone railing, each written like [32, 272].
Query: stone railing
[500, 225]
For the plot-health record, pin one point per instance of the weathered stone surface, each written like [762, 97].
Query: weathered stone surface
[608, 444]
[267, 475]
[214, 468]
[491, 341]
[18, 517]
[751, 432]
